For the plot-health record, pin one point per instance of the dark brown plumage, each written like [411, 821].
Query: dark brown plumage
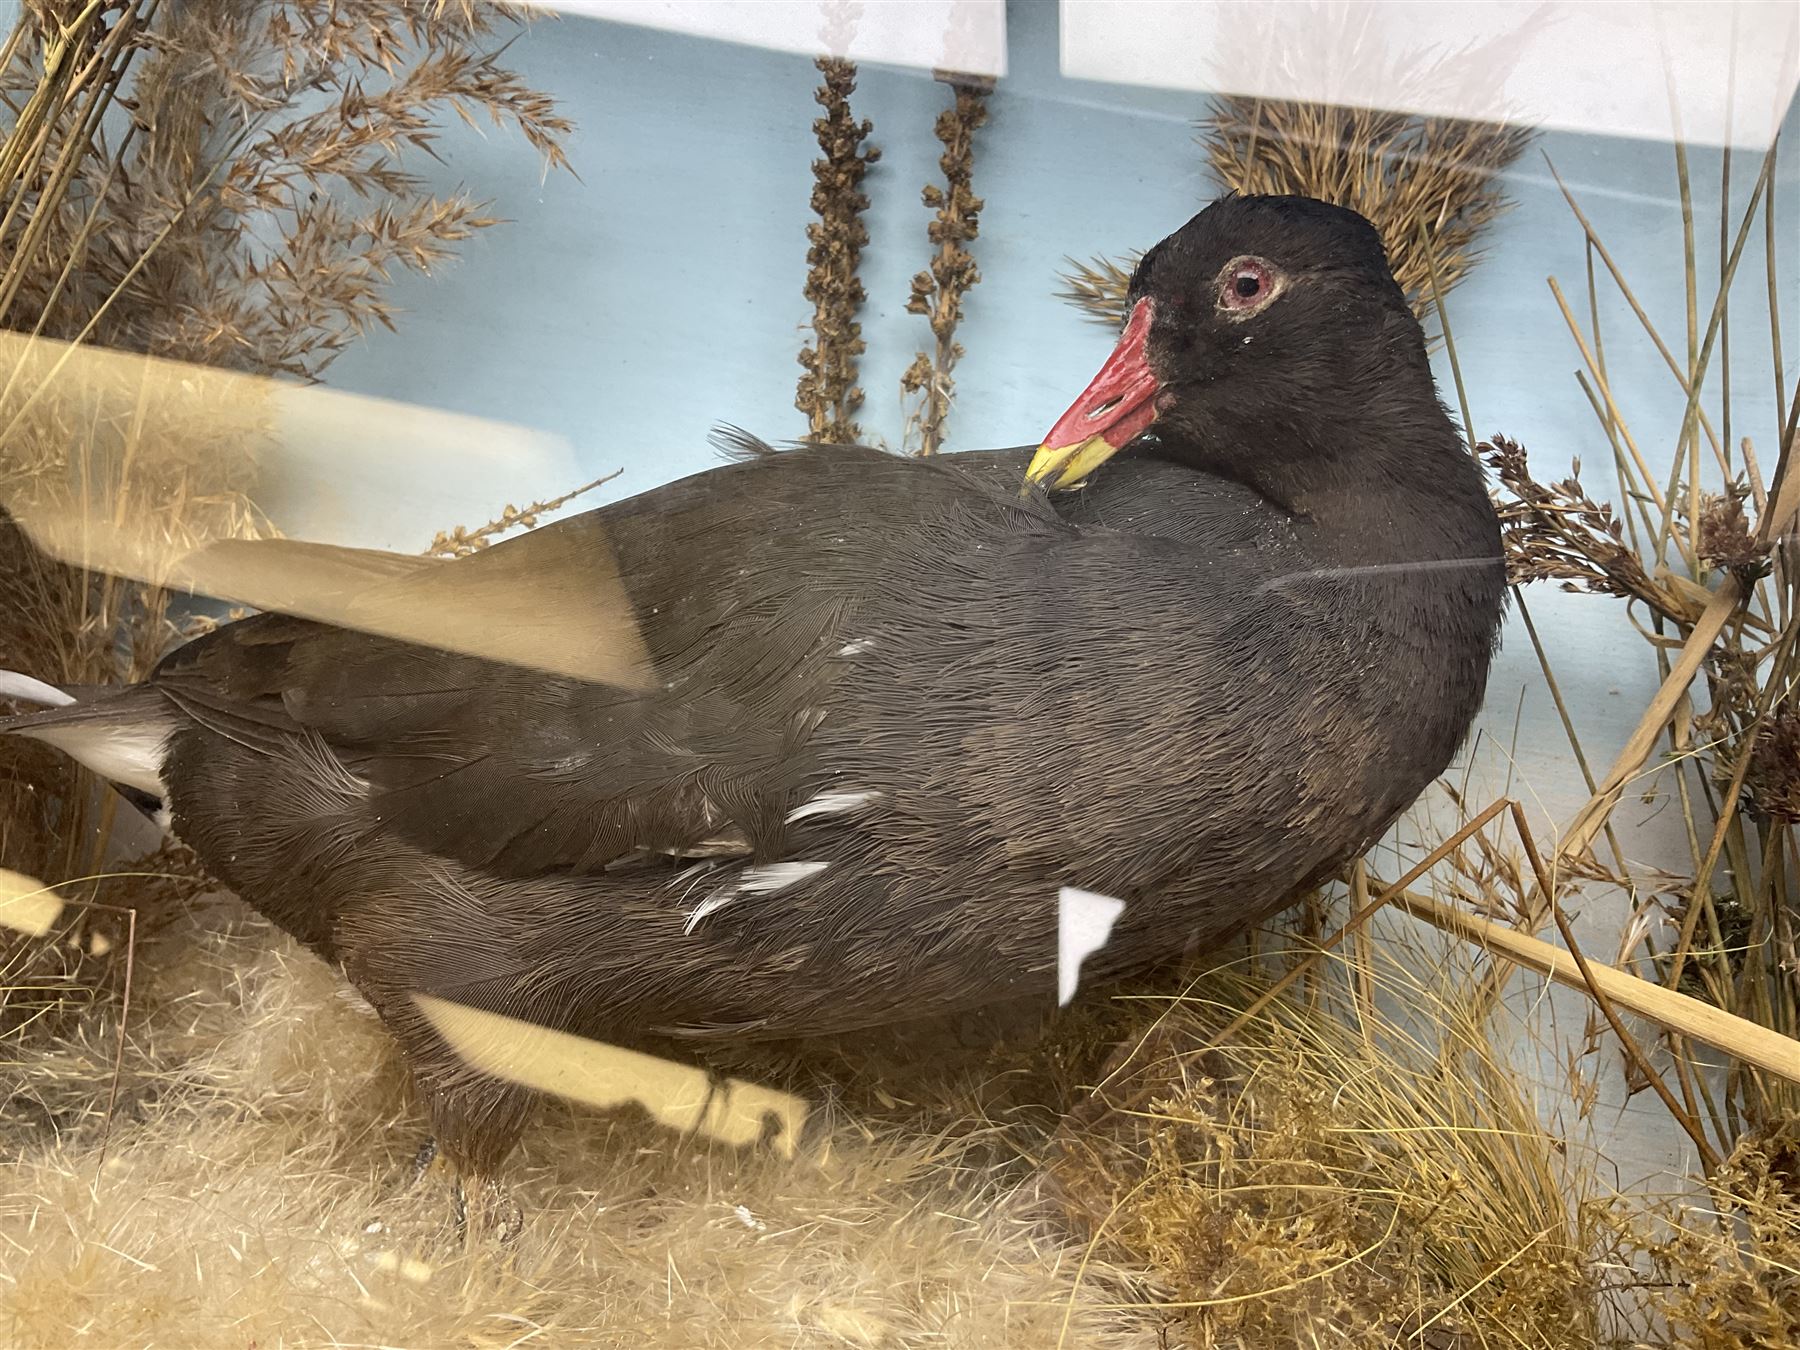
[892, 706]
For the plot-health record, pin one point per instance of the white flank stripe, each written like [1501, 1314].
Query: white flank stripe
[767, 879]
[831, 804]
[772, 877]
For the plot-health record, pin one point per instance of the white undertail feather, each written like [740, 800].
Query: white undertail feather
[131, 754]
[28, 690]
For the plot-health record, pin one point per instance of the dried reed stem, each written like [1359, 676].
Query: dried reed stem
[1712, 569]
[460, 541]
[1724, 1031]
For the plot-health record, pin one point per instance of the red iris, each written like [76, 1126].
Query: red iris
[1246, 286]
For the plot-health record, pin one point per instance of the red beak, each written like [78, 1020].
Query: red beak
[1113, 410]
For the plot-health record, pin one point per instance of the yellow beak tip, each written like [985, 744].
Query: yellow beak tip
[1068, 465]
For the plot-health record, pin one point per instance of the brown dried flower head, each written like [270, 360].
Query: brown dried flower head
[938, 291]
[1726, 539]
[828, 393]
[1773, 779]
[1556, 532]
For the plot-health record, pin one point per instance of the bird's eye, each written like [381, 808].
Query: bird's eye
[1247, 284]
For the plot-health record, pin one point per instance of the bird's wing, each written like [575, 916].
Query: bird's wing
[739, 582]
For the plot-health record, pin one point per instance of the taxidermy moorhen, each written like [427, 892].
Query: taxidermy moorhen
[893, 704]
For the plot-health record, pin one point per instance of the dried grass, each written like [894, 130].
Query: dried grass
[1359, 1165]
[1701, 562]
[1332, 1174]
[218, 184]
[1728, 1278]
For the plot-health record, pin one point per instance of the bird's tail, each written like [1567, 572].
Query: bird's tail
[120, 733]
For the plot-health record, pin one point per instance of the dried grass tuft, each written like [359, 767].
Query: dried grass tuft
[1430, 185]
[1730, 1279]
[1333, 1174]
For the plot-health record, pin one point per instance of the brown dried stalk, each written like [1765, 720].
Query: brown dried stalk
[938, 292]
[461, 541]
[1556, 532]
[828, 393]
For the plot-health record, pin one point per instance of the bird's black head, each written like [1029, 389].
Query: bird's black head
[1258, 330]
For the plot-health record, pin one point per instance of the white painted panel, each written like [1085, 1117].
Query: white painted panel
[961, 35]
[1715, 71]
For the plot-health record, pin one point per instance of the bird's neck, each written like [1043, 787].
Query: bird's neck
[1371, 488]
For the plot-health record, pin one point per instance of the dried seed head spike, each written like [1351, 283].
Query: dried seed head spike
[827, 392]
[938, 291]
